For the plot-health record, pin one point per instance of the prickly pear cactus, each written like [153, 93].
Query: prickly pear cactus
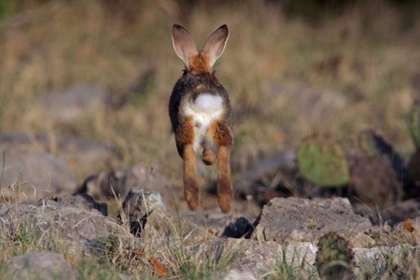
[334, 259]
[414, 123]
[322, 161]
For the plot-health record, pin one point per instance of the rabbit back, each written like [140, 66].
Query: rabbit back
[203, 100]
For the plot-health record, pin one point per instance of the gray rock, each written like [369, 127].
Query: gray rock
[143, 200]
[138, 206]
[39, 265]
[297, 219]
[235, 275]
[255, 259]
[250, 258]
[80, 201]
[31, 176]
[72, 103]
[108, 185]
[387, 262]
[80, 153]
[61, 225]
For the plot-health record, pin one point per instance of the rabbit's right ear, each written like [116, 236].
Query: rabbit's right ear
[183, 43]
[216, 43]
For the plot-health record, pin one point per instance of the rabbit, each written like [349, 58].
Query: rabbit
[201, 114]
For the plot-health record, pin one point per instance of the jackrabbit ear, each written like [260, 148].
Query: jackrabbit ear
[216, 43]
[183, 43]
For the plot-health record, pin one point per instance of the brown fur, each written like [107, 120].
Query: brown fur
[223, 138]
[200, 63]
[221, 134]
[208, 156]
[184, 135]
[224, 181]
[191, 189]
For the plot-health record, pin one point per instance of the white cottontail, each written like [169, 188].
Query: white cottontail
[201, 114]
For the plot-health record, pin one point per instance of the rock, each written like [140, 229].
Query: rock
[138, 206]
[72, 103]
[61, 223]
[39, 265]
[77, 223]
[297, 219]
[80, 201]
[256, 259]
[234, 275]
[382, 189]
[79, 153]
[31, 176]
[386, 262]
[106, 186]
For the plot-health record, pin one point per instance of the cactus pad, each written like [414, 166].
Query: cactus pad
[334, 259]
[322, 161]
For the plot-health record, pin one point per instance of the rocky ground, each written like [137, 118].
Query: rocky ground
[144, 238]
[233, 246]
[134, 218]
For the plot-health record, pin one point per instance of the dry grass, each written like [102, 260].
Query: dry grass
[366, 59]
[166, 253]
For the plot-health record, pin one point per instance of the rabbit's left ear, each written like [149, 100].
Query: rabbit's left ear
[216, 43]
[183, 44]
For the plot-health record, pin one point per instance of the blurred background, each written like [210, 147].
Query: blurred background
[102, 71]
